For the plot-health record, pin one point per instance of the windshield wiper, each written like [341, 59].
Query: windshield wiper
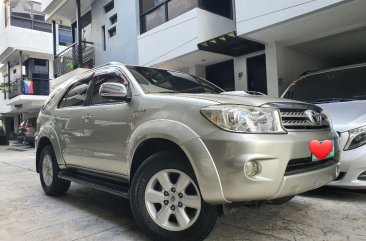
[331, 100]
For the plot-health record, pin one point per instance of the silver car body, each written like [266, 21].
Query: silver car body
[108, 142]
[347, 116]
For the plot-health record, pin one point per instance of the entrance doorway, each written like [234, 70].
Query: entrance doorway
[257, 74]
[222, 75]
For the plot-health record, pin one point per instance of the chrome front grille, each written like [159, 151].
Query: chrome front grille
[301, 116]
[300, 120]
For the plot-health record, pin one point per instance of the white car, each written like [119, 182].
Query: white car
[341, 92]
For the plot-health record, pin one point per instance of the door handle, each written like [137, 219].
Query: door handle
[86, 118]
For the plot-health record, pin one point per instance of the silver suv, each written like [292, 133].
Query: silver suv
[178, 146]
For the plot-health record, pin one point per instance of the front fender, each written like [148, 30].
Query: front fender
[48, 132]
[196, 151]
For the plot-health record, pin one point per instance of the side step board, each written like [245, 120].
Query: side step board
[118, 188]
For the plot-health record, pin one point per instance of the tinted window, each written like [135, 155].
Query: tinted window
[341, 85]
[32, 122]
[96, 98]
[109, 7]
[76, 95]
[220, 7]
[178, 7]
[165, 81]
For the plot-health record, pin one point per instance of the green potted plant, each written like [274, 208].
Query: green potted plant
[4, 87]
[71, 65]
[13, 139]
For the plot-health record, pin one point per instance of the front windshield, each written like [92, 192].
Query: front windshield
[335, 86]
[166, 81]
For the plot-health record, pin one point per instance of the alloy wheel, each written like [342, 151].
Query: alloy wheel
[173, 200]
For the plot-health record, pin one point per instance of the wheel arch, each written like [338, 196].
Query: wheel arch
[160, 135]
[48, 136]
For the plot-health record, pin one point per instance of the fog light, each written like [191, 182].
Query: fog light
[252, 168]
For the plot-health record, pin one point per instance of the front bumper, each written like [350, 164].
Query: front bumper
[353, 163]
[230, 151]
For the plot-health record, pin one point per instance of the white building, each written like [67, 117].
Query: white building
[108, 32]
[261, 46]
[257, 45]
[25, 61]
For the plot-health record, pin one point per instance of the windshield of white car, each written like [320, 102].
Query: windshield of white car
[154, 80]
[328, 87]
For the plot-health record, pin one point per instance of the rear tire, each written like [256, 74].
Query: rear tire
[166, 201]
[48, 172]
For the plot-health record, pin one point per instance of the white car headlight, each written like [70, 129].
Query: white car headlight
[244, 119]
[357, 138]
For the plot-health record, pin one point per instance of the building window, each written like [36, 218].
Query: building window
[219, 7]
[103, 39]
[113, 19]
[156, 12]
[26, 14]
[64, 35]
[86, 20]
[112, 32]
[109, 6]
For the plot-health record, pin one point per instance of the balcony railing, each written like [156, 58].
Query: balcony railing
[29, 87]
[39, 25]
[68, 60]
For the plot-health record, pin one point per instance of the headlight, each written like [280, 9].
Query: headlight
[244, 119]
[357, 138]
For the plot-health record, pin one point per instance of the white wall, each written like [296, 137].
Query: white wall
[123, 46]
[3, 107]
[294, 63]
[284, 65]
[181, 35]
[26, 40]
[254, 15]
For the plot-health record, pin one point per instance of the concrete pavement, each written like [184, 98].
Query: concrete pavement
[87, 214]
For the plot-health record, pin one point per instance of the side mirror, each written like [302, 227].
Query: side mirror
[113, 91]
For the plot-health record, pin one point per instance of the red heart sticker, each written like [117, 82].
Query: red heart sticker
[321, 150]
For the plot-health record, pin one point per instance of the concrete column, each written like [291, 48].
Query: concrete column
[78, 20]
[50, 73]
[16, 123]
[9, 80]
[240, 73]
[21, 64]
[272, 69]
[54, 38]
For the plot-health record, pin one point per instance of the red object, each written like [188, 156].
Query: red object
[321, 150]
[31, 91]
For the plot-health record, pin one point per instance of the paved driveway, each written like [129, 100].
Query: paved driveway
[86, 214]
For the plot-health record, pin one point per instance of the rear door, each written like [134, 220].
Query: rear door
[107, 130]
[69, 117]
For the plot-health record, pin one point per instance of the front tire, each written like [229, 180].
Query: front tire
[48, 172]
[166, 201]
[280, 201]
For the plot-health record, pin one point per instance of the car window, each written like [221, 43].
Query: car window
[166, 81]
[96, 99]
[333, 86]
[32, 122]
[76, 95]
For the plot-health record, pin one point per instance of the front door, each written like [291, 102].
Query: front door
[107, 130]
[257, 73]
[69, 119]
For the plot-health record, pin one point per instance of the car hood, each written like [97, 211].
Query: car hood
[252, 100]
[346, 115]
